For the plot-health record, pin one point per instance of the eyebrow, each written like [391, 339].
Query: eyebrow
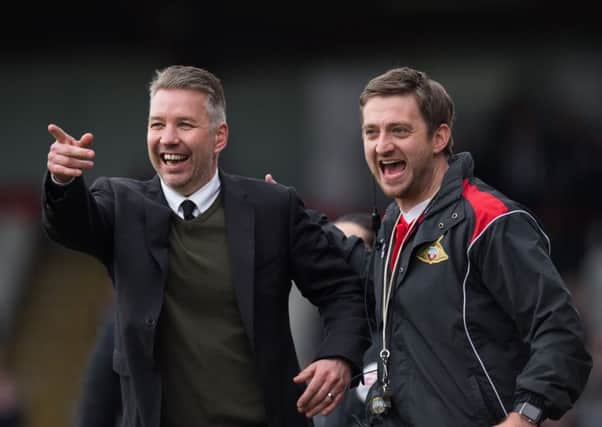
[388, 125]
[187, 118]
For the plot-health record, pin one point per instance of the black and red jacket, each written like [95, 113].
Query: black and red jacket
[480, 318]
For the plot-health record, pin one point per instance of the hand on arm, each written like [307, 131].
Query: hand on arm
[327, 380]
[69, 157]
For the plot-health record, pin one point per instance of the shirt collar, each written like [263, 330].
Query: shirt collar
[416, 211]
[203, 198]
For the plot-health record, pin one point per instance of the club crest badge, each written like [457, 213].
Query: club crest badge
[432, 253]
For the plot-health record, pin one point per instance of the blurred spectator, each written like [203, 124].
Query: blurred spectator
[11, 409]
[306, 327]
[589, 410]
[357, 224]
[100, 402]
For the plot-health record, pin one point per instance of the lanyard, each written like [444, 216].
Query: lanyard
[385, 353]
[387, 289]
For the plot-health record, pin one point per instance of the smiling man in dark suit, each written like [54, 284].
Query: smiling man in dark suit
[202, 263]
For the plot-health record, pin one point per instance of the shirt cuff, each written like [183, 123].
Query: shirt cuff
[62, 184]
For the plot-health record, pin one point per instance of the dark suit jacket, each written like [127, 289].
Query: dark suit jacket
[125, 223]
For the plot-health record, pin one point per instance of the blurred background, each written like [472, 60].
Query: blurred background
[526, 78]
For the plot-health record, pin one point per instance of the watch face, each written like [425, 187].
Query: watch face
[530, 411]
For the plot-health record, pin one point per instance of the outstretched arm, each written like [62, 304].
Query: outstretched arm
[73, 215]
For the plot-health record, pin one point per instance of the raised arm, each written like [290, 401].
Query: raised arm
[74, 216]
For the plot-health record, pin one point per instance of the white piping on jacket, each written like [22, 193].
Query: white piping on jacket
[476, 353]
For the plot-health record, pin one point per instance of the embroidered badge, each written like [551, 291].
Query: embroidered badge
[432, 253]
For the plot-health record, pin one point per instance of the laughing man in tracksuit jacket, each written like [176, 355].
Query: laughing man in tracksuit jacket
[479, 328]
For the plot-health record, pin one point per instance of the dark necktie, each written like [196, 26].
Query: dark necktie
[188, 207]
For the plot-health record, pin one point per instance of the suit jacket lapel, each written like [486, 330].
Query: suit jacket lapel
[157, 217]
[240, 232]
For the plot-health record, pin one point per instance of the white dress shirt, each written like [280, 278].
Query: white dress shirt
[203, 198]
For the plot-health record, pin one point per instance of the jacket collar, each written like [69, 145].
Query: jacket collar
[461, 166]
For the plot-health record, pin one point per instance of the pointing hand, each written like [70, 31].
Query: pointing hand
[69, 157]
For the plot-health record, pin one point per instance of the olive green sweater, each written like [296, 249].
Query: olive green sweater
[207, 369]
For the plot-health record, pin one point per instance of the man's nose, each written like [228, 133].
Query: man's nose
[169, 135]
[383, 143]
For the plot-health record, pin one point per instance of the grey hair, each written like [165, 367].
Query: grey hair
[201, 80]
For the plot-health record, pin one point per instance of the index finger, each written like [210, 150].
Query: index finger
[60, 135]
[270, 179]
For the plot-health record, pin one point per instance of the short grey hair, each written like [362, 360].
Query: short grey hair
[201, 80]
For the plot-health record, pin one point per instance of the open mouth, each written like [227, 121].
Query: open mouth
[392, 169]
[173, 158]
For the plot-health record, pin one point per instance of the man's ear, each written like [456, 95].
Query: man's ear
[221, 137]
[441, 138]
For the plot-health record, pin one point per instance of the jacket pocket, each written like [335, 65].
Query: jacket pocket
[478, 402]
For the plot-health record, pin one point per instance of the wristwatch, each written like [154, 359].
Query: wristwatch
[529, 412]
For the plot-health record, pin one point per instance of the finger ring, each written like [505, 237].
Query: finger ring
[330, 396]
